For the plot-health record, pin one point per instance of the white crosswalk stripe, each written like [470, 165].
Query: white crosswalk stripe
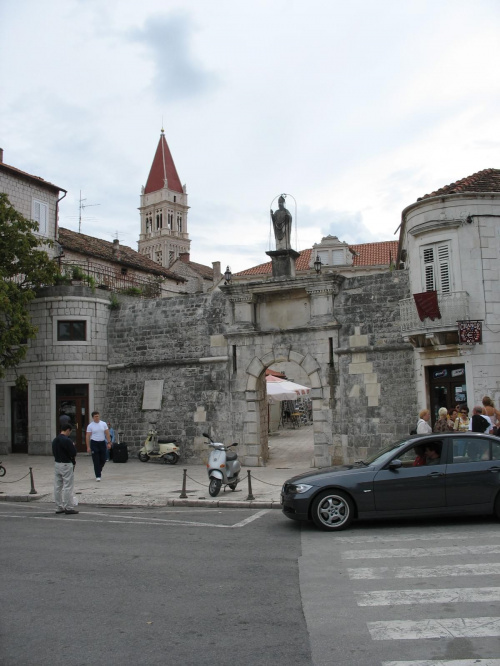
[440, 662]
[425, 572]
[445, 596]
[429, 612]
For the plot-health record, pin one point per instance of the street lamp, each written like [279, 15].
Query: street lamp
[227, 275]
[317, 264]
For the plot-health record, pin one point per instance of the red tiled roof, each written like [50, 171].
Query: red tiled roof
[366, 254]
[205, 272]
[102, 249]
[163, 167]
[487, 180]
[27, 176]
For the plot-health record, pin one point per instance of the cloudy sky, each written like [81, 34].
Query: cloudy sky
[353, 108]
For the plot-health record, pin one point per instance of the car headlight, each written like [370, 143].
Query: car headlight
[298, 488]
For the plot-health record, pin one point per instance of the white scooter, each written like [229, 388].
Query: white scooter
[159, 448]
[223, 466]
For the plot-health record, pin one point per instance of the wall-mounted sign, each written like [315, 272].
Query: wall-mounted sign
[458, 372]
[153, 391]
[469, 332]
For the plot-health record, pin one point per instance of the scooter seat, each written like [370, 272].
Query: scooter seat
[231, 456]
[166, 440]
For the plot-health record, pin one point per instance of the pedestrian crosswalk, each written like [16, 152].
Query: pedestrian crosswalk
[413, 604]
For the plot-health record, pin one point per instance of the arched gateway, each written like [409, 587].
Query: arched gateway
[255, 419]
[278, 320]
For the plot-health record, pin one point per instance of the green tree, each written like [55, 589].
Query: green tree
[24, 267]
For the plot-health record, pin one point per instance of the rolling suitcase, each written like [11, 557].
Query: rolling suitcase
[119, 452]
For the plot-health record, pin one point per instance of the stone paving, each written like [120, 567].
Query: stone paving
[155, 484]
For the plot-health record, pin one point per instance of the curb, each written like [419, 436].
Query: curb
[216, 504]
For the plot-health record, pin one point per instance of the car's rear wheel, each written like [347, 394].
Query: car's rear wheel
[332, 510]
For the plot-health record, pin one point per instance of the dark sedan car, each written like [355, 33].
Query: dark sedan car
[429, 475]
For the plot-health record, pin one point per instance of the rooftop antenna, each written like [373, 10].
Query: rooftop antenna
[81, 207]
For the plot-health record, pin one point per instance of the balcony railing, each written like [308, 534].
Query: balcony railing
[106, 277]
[453, 307]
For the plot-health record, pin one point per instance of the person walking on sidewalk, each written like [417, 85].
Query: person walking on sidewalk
[64, 453]
[97, 438]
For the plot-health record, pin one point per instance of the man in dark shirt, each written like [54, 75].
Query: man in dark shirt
[64, 452]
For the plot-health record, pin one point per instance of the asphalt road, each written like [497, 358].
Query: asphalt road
[150, 586]
[197, 586]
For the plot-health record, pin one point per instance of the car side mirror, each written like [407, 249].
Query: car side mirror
[395, 464]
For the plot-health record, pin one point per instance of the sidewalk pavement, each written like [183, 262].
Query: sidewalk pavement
[153, 483]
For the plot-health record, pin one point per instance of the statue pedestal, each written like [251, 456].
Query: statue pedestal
[283, 262]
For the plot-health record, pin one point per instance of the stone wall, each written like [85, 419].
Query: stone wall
[375, 397]
[178, 341]
[364, 398]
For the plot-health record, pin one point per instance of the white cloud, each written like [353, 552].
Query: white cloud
[355, 108]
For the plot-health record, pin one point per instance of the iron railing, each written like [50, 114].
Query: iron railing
[453, 307]
[107, 277]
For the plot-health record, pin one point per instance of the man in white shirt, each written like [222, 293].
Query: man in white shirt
[96, 437]
[477, 424]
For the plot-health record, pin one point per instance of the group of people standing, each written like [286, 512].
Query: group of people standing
[98, 439]
[485, 418]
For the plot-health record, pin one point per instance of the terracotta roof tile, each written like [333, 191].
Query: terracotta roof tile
[163, 167]
[205, 272]
[102, 249]
[23, 174]
[366, 254]
[487, 180]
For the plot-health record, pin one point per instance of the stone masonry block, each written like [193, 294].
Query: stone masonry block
[268, 359]
[370, 378]
[217, 341]
[316, 394]
[295, 356]
[359, 358]
[315, 380]
[372, 390]
[358, 340]
[256, 367]
[355, 391]
[252, 383]
[373, 401]
[360, 368]
[310, 364]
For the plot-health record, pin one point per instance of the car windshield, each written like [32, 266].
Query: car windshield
[385, 454]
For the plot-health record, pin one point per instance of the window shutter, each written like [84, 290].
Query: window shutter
[430, 283]
[444, 268]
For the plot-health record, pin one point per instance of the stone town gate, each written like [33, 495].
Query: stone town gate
[255, 420]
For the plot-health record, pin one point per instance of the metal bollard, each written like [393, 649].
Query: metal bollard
[183, 494]
[250, 496]
[32, 491]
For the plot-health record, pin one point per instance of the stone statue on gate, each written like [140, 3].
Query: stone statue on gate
[282, 223]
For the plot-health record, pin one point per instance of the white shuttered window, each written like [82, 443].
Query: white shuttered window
[436, 267]
[40, 214]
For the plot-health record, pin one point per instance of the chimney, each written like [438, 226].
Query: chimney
[1, 155]
[217, 273]
[116, 248]
[184, 257]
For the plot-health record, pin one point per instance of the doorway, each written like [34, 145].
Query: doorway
[19, 420]
[290, 420]
[447, 388]
[73, 400]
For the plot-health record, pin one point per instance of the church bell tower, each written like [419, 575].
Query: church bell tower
[164, 209]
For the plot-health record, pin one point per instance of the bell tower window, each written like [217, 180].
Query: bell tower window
[159, 218]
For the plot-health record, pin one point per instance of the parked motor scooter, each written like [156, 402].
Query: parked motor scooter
[223, 466]
[159, 448]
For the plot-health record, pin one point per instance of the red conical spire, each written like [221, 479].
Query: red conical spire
[163, 167]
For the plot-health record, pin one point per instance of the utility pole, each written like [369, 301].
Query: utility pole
[81, 207]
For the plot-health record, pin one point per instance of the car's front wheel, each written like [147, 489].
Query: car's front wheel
[496, 509]
[332, 510]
